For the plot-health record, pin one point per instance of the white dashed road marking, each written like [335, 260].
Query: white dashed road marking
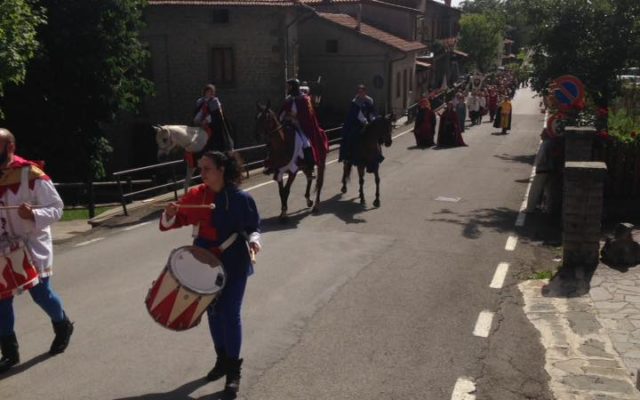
[130, 228]
[499, 276]
[465, 389]
[512, 242]
[483, 325]
[89, 242]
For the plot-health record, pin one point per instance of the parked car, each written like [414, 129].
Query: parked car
[630, 75]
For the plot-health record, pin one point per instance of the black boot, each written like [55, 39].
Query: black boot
[63, 331]
[10, 356]
[232, 385]
[219, 369]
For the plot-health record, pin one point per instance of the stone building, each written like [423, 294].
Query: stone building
[346, 52]
[249, 48]
[243, 47]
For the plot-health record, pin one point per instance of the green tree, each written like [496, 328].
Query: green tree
[90, 67]
[591, 39]
[511, 11]
[18, 44]
[482, 6]
[481, 37]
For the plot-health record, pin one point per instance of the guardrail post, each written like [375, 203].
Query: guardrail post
[92, 203]
[175, 182]
[122, 199]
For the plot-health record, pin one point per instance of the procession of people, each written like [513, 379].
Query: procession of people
[225, 219]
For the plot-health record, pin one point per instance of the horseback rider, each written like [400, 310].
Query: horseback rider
[298, 112]
[208, 114]
[361, 113]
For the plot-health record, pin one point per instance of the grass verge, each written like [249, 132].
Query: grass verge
[74, 214]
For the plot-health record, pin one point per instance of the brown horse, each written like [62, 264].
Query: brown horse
[281, 143]
[367, 154]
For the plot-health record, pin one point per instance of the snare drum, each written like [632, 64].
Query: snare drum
[192, 279]
[17, 272]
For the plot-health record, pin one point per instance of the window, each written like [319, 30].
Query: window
[332, 46]
[222, 66]
[220, 16]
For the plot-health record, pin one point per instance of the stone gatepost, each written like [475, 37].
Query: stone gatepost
[582, 215]
[578, 143]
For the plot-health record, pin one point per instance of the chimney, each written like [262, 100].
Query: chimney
[359, 17]
[447, 3]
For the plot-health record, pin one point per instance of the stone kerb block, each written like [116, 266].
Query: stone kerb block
[578, 143]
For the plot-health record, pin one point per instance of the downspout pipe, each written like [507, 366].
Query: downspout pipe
[286, 35]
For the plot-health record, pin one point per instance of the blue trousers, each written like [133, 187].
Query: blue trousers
[43, 295]
[224, 318]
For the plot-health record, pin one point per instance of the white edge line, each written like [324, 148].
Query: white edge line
[520, 221]
[140, 225]
[522, 216]
[500, 275]
[328, 163]
[512, 242]
[465, 389]
[483, 324]
[88, 242]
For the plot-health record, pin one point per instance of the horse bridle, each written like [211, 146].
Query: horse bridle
[273, 116]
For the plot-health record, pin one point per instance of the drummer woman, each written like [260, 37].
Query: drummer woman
[236, 214]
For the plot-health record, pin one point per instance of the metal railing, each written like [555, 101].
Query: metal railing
[87, 192]
[124, 177]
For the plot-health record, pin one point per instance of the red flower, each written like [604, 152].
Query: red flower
[633, 134]
[603, 135]
[602, 112]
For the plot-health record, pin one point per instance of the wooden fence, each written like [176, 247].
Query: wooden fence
[623, 168]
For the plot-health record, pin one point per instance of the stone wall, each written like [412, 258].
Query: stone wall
[582, 213]
[181, 40]
[358, 60]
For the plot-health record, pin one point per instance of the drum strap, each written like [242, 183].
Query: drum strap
[225, 245]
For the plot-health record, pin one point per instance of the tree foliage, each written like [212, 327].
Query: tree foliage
[18, 44]
[90, 67]
[481, 37]
[513, 12]
[591, 39]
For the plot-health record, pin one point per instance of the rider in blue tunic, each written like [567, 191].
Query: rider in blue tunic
[361, 113]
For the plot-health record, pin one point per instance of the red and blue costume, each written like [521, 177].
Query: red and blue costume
[235, 212]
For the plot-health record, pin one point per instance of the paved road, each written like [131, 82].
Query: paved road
[353, 303]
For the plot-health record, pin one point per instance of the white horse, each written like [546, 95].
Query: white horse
[191, 139]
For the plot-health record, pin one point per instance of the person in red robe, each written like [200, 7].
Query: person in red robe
[298, 111]
[425, 124]
[449, 131]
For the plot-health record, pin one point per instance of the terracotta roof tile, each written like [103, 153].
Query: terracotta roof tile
[374, 33]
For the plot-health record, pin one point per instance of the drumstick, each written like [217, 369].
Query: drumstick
[209, 206]
[16, 207]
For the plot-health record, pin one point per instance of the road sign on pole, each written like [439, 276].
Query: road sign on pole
[568, 92]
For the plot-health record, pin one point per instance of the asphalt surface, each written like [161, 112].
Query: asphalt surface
[353, 303]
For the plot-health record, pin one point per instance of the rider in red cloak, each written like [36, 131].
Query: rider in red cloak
[298, 111]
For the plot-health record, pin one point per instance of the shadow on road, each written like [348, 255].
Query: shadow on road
[524, 158]
[541, 227]
[25, 366]
[182, 393]
[275, 223]
[347, 209]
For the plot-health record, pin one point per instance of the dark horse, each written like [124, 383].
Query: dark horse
[367, 154]
[280, 141]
